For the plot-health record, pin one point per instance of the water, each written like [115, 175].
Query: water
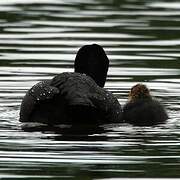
[39, 38]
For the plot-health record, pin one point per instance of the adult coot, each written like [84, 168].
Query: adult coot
[72, 98]
[142, 109]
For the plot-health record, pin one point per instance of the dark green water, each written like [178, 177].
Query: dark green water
[39, 38]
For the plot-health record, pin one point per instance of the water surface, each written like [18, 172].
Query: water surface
[39, 39]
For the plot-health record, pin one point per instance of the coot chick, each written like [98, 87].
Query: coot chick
[142, 109]
[74, 98]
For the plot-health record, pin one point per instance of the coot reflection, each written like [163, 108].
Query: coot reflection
[72, 98]
[142, 109]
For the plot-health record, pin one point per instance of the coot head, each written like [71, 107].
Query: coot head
[139, 91]
[92, 61]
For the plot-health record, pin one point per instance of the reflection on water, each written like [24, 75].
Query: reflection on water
[39, 39]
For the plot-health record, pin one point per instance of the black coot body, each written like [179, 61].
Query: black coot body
[142, 109]
[72, 98]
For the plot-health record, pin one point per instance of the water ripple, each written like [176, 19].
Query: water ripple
[40, 38]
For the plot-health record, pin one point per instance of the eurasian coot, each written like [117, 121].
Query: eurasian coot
[72, 98]
[142, 109]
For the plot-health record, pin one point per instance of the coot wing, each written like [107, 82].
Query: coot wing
[106, 102]
[76, 88]
[39, 92]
